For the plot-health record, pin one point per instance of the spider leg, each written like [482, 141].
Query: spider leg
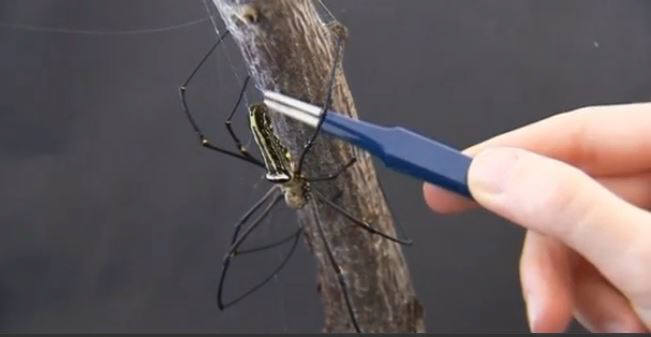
[255, 288]
[250, 212]
[270, 245]
[232, 252]
[340, 278]
[337, 173]
[205, 142]
[326, 106]
[358, 222]
[229, 120]
[401, 230]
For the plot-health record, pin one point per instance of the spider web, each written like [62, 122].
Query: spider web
[69, 31]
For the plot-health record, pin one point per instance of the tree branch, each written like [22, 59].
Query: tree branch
[289, 49]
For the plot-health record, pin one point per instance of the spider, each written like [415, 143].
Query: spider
[288, 183]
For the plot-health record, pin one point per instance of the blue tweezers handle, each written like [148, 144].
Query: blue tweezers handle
[405, 151]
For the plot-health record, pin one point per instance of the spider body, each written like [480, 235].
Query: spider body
[277, 159]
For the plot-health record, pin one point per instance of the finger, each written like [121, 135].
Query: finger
[600, 307]
[561, 201]
[546, 283]
[443, 201]
[635, 189]
[591, 138]
[581, 143]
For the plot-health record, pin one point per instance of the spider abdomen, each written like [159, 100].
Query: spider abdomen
[295, 193]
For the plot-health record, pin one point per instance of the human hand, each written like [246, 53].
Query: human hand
[580, 182]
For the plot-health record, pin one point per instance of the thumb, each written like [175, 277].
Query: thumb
[560, 201]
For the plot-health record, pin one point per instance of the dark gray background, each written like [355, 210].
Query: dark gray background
[113, 219]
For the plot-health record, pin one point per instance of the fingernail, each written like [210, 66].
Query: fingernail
[490, 170]
[532, 313]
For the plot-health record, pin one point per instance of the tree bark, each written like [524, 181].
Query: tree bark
[289, 49]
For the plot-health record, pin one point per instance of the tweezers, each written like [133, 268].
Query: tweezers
[400, 149]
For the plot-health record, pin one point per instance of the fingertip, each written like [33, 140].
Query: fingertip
[548, 317]
[546, 284]
[443, 201]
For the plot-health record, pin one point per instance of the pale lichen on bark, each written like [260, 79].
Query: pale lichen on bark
[289, 49]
